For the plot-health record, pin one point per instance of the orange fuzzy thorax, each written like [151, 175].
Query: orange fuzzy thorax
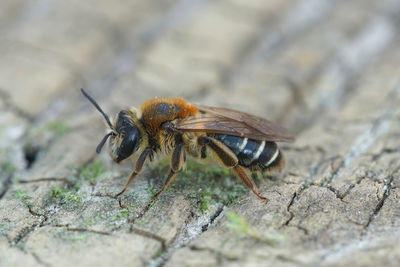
[157, 111]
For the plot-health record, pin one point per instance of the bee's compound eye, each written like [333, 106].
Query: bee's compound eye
[129, 143]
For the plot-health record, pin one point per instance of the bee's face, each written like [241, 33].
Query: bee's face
[125, 138]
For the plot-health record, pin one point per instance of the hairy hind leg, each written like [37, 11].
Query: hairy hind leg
[229, 160]
[247, 181]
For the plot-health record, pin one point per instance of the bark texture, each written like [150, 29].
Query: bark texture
[327, 70]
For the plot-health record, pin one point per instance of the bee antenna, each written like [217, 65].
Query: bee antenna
[98, 108]
[100, 146]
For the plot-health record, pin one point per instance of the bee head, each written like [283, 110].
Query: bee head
[124, 135]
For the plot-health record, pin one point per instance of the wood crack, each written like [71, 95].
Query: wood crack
[292, 200]
[39, 260]
[26, 231]
[14, 108]
[217, 253]
[149, 235]
[386, 193]
[44, 179]
[7, 182]
[183, 238]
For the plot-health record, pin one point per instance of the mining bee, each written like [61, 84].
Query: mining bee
[175, 127]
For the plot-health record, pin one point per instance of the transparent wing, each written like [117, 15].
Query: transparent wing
[232, 122]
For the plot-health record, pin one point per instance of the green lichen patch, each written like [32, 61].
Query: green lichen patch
[121, 215]
[151, 190]
[7, 167]
[203, 204]
[243, 228]
[59, 127]
[57, 192]
[93, 170]
[19, 194]
[55, 128]
[211, 170]
[204, 184]
[79, 237]
[67, 197]
[73, 197]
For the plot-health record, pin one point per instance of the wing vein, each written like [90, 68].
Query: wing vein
[232, 122]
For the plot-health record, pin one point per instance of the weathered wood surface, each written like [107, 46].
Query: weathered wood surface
[327, 70]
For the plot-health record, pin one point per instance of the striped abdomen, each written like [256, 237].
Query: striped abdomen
[253, 154]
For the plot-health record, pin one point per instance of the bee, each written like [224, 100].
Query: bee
[175, 127]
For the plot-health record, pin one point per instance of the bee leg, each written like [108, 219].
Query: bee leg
[138, 167]
[177, 160]
[247, 181]
[229, 159]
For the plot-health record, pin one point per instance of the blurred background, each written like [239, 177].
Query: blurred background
[272, 58]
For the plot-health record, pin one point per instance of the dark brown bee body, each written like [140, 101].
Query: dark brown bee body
[253, 154]
[173, 126]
